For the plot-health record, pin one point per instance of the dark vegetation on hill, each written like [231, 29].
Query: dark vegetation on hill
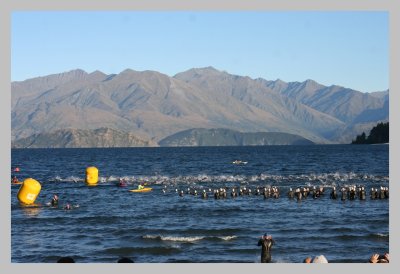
[378, 135]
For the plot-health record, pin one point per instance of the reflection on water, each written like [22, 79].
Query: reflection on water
[31, 210]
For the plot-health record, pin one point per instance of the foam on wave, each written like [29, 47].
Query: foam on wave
[324, 179]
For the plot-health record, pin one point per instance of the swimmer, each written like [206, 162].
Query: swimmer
[204, 194]
[121, 182]
[376, 193]
[269, 191]
[266, 242]
[305, 192]
[181, 193]
[372, 193]
[352, 193]
[333, 193]
[276, 193]
[14, 180]
[382, 193]
[65, 260]
[307, 260]
[299, 196]
[344, 193]
[291, 193]
[265, 193]
[125, 260]
[362, 194]
[54, 200]
[376, 258]
[315, 192]
[386, 192]
[67, 207]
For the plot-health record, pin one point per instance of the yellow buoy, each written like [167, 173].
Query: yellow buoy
[28, 191]
[92, 175]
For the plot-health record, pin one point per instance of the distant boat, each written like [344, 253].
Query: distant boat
[146, 189]
[238, 162]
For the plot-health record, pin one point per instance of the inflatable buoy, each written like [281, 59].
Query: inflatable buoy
[92, 175]
[28, 191]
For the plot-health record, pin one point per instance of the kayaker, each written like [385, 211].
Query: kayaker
[140, 186]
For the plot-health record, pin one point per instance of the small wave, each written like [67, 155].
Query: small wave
[174, 238]
[113, 178]
[228, 238]
[55, 179]
[346, 237]
[381, 235]
[182, 239]
[187, 239]
[73, 179]
[151, 237]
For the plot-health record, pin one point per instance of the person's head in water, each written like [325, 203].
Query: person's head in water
[125, 260]
[307, 260]
[66, 260]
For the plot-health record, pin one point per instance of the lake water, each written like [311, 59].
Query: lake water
[108, 222]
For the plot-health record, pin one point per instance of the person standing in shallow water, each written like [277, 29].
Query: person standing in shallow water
[266, 242]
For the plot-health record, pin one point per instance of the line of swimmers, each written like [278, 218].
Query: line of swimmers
[299, 193]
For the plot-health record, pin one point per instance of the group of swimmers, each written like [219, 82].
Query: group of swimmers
[54, 203]
[349, 192]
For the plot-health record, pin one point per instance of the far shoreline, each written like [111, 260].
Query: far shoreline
[311, 145]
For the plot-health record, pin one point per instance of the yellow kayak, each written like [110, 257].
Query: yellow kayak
[146, 189]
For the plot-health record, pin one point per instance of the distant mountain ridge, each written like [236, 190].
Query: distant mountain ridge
[80, 138]
[106, 137]
[227, 137]
[152, 106]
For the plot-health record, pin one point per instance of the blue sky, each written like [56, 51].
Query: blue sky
[350, 49]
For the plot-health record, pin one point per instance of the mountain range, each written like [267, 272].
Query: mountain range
[227, 137]
[152, 106]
